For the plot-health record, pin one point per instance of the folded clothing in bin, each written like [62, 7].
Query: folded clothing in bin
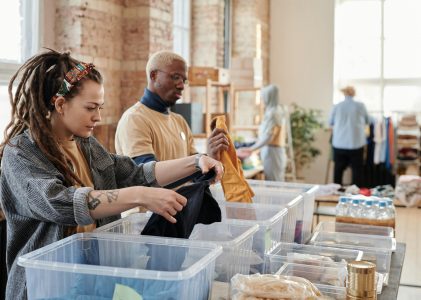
[201, 208]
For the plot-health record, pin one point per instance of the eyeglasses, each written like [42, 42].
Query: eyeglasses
[176, 77]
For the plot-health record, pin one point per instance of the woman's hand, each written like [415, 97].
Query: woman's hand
[162, 201]
[243, 153]
[206, 163]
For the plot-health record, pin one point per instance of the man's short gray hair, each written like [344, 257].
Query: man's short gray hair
[159, 60]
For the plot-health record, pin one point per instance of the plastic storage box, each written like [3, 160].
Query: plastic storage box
[308, 191]
[236, 241]
[292, 201]
[283, 193]
[105, 266]
[321, 276]
[355, 228]
[309, 255]
[268, 217]
[376, 249]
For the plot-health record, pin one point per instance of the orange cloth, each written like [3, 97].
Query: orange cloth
[235, 186]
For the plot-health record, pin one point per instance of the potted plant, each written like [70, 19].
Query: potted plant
[304, 124]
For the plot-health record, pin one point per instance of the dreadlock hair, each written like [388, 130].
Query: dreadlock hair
[40, 79]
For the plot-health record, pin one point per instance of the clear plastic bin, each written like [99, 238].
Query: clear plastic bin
[376, 249]
[236, 241]
[308, 191]
[309, 255]
[268, 217]
[284, 193]
[293, 202]
[105, 266]
[355, 228]
[334, 292]
[330, 276]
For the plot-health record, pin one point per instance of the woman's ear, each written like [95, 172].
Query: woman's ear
[59, 103]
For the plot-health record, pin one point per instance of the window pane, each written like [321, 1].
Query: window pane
[4, 109]
[357, 39]
[402, 98]
[402, 38]
[358, 60]
[10, 30]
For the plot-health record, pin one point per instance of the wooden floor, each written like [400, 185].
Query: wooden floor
[408, 231]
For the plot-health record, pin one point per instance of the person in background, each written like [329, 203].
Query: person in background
[149, 131]
[271, 139]
[56, 178]
[348, 120]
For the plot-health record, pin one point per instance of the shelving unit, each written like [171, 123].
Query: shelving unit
[408, 144]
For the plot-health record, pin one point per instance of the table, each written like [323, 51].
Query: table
[391, 291]
[221, 289]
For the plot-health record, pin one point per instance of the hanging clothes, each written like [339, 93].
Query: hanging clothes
[201, 208]
[234, 184]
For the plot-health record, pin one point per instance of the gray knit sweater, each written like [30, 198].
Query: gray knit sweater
[39, 207]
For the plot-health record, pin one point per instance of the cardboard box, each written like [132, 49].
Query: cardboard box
[198, 76]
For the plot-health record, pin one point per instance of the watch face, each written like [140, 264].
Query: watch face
[183, 136]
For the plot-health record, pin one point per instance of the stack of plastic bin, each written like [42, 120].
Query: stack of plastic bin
[236, 241]
[354, 228]
[105, 266]
[283, 193]
[376, 249]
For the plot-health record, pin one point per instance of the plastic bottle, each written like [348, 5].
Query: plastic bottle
[342, 207]
[355, 209]
[383, 212]
[391, 207]
[368, 210]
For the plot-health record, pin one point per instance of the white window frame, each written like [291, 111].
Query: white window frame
[185, 8]
[381, 82]
[31, 38]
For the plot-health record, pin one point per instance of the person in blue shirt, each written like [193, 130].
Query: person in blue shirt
[348, 120]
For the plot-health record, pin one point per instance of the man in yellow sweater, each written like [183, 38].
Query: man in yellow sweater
[149, 131]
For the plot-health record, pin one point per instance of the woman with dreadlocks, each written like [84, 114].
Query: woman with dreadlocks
[56, 178]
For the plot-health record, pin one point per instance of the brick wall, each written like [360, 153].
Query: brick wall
[117, 36]
[250, 39]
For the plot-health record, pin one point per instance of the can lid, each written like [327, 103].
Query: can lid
[361, 267]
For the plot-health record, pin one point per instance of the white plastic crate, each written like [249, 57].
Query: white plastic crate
[355, 228]
[309, 254]
[376, 249]
[236, 241]
[284, 193]
[105, 266]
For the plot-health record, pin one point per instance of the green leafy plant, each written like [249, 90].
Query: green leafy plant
[304, 124]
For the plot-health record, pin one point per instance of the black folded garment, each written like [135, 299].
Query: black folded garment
[201, 208]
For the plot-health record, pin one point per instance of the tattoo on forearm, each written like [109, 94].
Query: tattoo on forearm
[112, 195]
[94, 201]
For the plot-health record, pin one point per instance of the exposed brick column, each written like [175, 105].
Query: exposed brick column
[147, 28]
[117, 36]
[250, 24]
[207, 33]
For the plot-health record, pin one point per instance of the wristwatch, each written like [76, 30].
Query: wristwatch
[196, 161]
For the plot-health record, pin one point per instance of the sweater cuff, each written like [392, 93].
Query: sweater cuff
[149, 173]
[81, 210]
